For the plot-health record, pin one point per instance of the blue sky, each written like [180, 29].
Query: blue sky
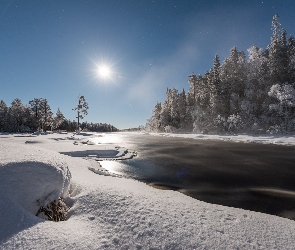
[51, 49]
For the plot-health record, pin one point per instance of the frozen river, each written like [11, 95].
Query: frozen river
[252, 176]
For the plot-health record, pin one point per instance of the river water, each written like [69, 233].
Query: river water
[255, 177]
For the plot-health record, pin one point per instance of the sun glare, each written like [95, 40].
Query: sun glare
[104, 71]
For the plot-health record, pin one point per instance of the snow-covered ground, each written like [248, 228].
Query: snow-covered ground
[108, 212]
[246, 138]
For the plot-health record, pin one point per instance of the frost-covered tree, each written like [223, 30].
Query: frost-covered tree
[36, 112]
[46, 116]
[173, 103]
[283, 107]
[278, 56]
[182, 110]
[81, 108]
[3, 116]
[233, 75]
[291, 60]
[58, 119]
[154, 123]
[16, 115]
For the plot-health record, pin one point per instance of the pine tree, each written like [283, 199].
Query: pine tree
[278, 56]
[58, 119]
[3, 116]
[17, 111]
[174, 107]
[182, 110]
[154, 123]
[81, 108]
[35, 109]
[46, 116]
[283, 107]
[291, 60]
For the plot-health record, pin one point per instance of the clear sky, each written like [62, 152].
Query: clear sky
[51, 49]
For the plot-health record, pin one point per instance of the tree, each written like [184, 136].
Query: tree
[35, 109]
[46, 118]
[182, 110]
[154, 123]
[278, 55]
[174, 108]
[291, 58]
[81, 108]
[16, 111]
[3, 116]
[284, 106]
[58, 119]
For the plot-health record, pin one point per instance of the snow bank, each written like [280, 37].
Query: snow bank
[288, 140]
[31, 176]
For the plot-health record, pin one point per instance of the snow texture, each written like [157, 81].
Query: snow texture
[117, 213]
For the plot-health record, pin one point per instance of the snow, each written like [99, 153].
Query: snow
[32, 177]
[108, 212]
[288, 140]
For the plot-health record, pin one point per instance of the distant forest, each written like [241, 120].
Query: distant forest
[37, 116]
[240, 95]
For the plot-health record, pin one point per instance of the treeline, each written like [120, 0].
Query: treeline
[37, 116]
[240, 95]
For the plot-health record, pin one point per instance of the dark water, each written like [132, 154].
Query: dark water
[255, 177]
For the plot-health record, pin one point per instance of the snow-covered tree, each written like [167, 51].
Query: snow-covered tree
[46, 116]
[291, 60]
[16, 114]
[278, 56]
[182, 107]
[3, 116]
[283, 107]
[154, 123]
[58, 119]
[35, 109]
[174, 107]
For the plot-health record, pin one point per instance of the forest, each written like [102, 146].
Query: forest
[37, 116]
[254, 94]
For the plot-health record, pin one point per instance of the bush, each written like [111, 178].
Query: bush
[56, 211]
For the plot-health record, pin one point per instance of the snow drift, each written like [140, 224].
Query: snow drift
[32, 177]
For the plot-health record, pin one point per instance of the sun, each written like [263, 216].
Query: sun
[104, 71]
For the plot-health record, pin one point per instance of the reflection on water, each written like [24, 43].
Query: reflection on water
[117, 167]
[106, 139]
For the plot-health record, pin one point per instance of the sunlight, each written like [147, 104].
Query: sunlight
[104, 71]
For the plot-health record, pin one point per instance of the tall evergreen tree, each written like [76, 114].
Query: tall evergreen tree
[46, 116]
[291, 60]
[81, 108]
[58, 119]
[278, 56]
[17, 111]
[36, 112]
[3, 116]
